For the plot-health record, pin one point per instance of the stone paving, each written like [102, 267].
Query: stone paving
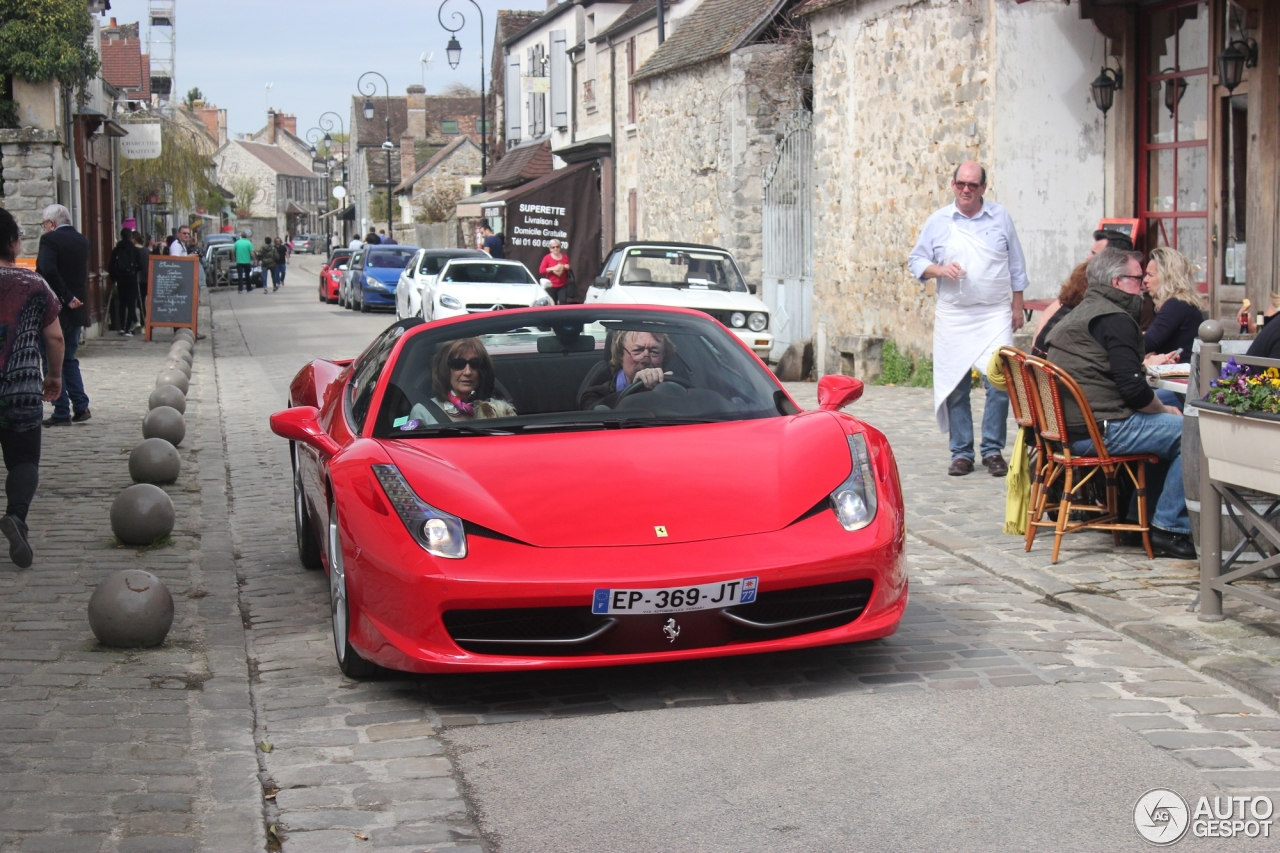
[240, 733]
[1118, 586]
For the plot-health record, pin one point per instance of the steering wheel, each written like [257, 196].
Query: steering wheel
[639, 386]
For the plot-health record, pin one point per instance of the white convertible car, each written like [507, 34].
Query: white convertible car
[685, 275]
[471, 285]
[419, 276]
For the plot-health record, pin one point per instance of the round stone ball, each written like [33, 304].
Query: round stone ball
[178, 364]
[181, 354]
[164, 422]
[185, 335]
[1210, 331]
[181, 346]
[173, 377]
[131, 609]
[154, 460]
[141, 514]
[168, 395]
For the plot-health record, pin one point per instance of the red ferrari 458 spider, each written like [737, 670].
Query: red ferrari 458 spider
[584, 486]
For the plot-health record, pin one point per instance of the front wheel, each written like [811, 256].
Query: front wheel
[364, 305]
[308, 548]
[349, 661]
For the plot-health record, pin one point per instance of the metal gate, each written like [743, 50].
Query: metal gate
[788, 237]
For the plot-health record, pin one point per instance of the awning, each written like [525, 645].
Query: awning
[294, 208]
[473, 206]
[341, 214]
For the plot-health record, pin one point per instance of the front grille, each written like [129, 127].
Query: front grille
[481, 307]
[573, 631]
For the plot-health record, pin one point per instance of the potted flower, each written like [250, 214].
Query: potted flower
[1240, 426]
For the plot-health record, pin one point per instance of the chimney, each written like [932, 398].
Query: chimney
[214, 120]
[287, 121]
[417, 107]
[408, 158]
[271, 126]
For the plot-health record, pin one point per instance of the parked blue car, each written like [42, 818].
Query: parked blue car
[375, 275]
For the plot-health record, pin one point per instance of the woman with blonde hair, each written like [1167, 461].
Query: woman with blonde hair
[1171, 281]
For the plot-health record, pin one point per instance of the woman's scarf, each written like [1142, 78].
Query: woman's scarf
[465, 408]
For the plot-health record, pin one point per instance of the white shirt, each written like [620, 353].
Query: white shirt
[355, 244]
[992, 225]
[176, 248]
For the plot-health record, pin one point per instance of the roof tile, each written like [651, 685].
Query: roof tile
[713, 29]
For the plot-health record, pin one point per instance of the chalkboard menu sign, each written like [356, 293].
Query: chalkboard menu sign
[173, 297]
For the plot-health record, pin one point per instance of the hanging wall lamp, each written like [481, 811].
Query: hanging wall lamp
[1105, 86]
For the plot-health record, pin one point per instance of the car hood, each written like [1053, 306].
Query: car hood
[386, 276]
[614, 487]
[703, 300]
[492, 294]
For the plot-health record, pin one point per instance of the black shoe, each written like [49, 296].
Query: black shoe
[52, 421]
[81, 417]
[996, 465]
[1176, 545]
[15, 530]
[960, 466]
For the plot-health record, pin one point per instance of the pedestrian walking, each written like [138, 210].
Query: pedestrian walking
[283, 250]
[555, 268]
[30, 311]
[63, 261]
[372, 238]
[971, 248]
[387, 239]
[492, 243]
[181, 245]
[244, 262]
[356, 244]
[267, 260]
[123, 267]
[144, 275]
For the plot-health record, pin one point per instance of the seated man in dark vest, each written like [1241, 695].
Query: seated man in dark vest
[1100, 345]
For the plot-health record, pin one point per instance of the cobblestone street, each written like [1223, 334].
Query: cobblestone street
[241, 734]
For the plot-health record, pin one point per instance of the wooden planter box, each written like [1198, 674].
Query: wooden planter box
[1242, 449]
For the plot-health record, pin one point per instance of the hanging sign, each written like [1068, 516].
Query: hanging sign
[536, 85]
[142, 143]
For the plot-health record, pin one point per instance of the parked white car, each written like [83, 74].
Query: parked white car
[686, 275]
[473, 285]
[419, 277]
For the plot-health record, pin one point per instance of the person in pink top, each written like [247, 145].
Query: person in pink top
[555, 267]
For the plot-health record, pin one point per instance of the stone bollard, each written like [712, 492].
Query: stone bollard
[164, 422]
[185, 335]
[131, 609]
[180, 347]
[1210, 334]
[179, 365]
[181, 354]
[173, 377]
[168, 395]
[141, 514]
[154, 460]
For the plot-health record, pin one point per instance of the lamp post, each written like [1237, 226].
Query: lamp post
[368, 116]
[313, 135]
[454, 52]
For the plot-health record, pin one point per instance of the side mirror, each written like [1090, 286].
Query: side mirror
[602, 282]
[546, 284]
[835, 392]
[754, 288]
[342, 266]
[302, 423]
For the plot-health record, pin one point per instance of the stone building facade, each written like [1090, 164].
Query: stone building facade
[289, 197]
[432, 192]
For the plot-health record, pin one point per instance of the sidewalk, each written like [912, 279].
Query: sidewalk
[1119, 587]
[107, 750]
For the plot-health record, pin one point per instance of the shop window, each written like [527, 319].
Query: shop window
[449, 127]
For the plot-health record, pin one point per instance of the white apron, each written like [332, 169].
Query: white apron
[974, 316]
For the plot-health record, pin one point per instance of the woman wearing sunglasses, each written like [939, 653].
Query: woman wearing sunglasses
[462, 379]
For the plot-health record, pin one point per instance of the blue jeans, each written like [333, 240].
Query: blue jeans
[995, 420]
[1161, 436]
[277, 275]
[73, 396]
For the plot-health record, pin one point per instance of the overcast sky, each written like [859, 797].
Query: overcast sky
[313, 51]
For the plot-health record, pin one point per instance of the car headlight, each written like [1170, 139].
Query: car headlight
[737, 319]
[439, 533]
[855, 499]
[542, 301]
[447, 301]
[757, 321]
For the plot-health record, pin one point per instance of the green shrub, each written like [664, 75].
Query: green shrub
[898, 368]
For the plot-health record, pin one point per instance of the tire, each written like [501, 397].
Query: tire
[349, 661]
[323, 298]
[308, 547]
[364, 306]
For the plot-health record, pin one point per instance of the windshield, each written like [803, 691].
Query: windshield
[488, 273]
[595, 370]
[685, 268]
[432, 264]
[389, 259]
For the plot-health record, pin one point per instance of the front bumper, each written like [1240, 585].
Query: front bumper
[758, 342]
[377, 296]
[402, 599]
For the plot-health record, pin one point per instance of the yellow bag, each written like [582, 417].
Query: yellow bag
[1018, 487]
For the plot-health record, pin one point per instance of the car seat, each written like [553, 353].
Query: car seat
[637, 274]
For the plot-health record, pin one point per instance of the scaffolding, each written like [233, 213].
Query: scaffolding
[162, 36]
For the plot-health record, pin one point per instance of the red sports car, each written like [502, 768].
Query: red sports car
[583, 486]
[331, 275]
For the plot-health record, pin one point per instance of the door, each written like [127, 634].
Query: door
[787, 272]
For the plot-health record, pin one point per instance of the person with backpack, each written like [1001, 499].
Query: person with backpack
[282, 262]
[123, 267]
[267, 259]
[244, 262]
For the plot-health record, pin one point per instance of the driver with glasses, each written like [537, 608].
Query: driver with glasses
[636, 357]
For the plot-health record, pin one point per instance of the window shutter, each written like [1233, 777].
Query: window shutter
[559, 79]
[511, 96]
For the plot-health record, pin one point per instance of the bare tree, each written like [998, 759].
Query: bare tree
[460, 90]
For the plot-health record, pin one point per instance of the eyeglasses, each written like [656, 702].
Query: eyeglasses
[1134, 277]
[967, 185]
[464, 363]
[639, 352]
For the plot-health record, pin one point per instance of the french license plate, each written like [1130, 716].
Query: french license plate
[679, 599]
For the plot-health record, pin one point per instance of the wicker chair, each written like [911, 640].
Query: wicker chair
[1050, 382]
[1018, 384]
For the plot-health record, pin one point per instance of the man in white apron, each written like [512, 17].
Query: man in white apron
[972, 249]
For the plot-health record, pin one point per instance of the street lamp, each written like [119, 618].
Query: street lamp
[368, 116]
[454, 51]
[1104, 88]
[1232, 62]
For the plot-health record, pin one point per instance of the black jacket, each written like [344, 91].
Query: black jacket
[124, 262]
[63, 261]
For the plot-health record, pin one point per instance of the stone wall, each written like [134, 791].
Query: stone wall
[27, 160]
[902, 93]
[453, 176]
[705, 135]
[233, 162]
